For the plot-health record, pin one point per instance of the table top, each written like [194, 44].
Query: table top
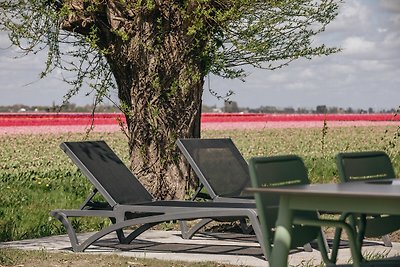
[383, 189]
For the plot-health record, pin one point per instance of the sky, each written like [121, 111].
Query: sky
[365, 74]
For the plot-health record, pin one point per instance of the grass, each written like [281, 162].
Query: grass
[13, 257]
[36, 176]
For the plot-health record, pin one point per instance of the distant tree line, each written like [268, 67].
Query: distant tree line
[229, 107]
[69, 107]
[233, 107]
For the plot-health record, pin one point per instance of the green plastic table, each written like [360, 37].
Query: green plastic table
[381, 197]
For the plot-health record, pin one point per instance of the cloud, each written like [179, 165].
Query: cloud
[276, 77]
[392, 40]
[352, 14]
[339, 69]
[373, 65]
[4, 41]
[390, 5]
[307, 73]
[358, 46]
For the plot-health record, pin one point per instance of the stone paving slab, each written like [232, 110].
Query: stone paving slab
[237, 249]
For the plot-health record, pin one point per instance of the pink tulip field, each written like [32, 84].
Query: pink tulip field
[110, 122]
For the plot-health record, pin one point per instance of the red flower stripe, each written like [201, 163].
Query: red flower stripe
[41, 119]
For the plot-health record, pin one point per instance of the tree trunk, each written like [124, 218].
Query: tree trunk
[159, 63]
[156, 118]
[160, 81]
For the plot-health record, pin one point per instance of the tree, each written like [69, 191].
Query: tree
[321, 109]
[156, 53]
[231, 106]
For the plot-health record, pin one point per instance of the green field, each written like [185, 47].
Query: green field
[36, 176]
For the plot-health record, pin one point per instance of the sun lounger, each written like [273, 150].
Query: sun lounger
[128, 203]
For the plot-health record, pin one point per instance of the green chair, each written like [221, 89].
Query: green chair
[283, 171]
[369, 166]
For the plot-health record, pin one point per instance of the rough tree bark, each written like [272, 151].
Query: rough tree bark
[159, 70]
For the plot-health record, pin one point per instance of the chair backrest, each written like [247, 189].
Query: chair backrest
[277, 171]
[218, 164]
[365, 165]
[280, 171]
[108, 174]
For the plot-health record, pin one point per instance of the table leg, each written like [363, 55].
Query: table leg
[282, 239]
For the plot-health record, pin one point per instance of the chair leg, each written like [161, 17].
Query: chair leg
[355, 247]
[326, 245]
[336, 243]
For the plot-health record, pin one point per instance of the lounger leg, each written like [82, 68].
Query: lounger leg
[246, 229]
[70, 229]
[255, 223]
[386, 241]
[128, 239]
[119, 232]
[184, 228]
[307, 247]
[137, 232]
[189, 233]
